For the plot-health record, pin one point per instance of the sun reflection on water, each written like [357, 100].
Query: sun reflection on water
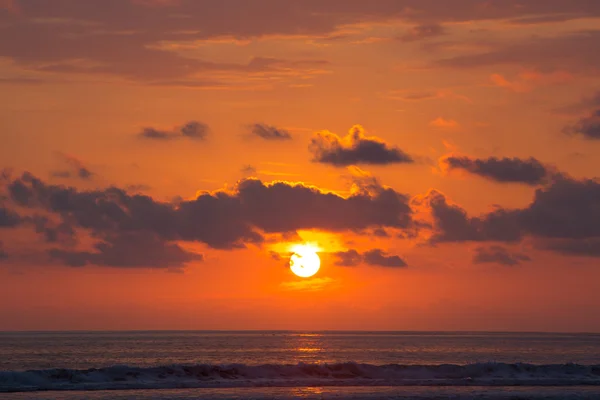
[308, 347]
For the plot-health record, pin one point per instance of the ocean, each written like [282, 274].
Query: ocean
[308, 365]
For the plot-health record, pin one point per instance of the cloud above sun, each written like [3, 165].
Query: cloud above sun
[355, 148]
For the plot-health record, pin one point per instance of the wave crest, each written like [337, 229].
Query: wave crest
[273, 375]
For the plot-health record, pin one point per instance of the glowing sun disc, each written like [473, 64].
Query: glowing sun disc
[305, 261]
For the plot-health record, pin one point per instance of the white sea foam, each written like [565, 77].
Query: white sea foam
[340, 374]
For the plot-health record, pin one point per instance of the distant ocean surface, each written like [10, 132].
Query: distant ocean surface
[310, 365]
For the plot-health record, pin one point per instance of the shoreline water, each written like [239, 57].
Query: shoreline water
[326, 393]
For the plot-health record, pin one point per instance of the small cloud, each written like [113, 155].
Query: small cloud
[76, 168]
[505, 170]
[498, 255]
[269, 132]
[349, 258]
[192, 130]
[374, 257]
[422, 32]
[248, 170]
[587, 127]
[354, 148]
[380, 258]
[444, 123]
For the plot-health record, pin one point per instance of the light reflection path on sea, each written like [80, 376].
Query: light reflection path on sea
[326, 393]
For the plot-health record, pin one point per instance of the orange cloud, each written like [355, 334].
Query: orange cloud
[528, 80]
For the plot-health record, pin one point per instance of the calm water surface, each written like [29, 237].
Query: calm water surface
[79, 350]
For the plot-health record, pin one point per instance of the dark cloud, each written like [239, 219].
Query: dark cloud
[422, 32]
[560, 214]
[375, 257]
[222, 219]
[498, 255]
[269, 132]
[587, 127]
[380, 258]
[567, 209]
[8, 218]
[576, 51]
[129, 250]
[589, 247]
[151, 133]
[452, 224]
[529, 171]
[380, 232]
[354, 148]
[349, 258]
[3, 254]
[192, 130]
[62, 232]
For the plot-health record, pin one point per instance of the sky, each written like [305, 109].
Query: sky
[160, 158]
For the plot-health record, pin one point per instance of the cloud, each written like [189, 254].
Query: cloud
[587, 127]
[63, 232]
[3, 254]
[498, 255]
[588, 103]
[528, 80]
[223, 219]
[505, 170]
[452, 224]
[570, 52]
[8, 218]
[560, 214]
[589, 247]
[422, 32]
[192, 130]
[349, 258]
[77, 168]
[129, 250]
[136, 41]
[354, 148]
[374, 257]
[567, 209]
[269, 132]
[380, 258]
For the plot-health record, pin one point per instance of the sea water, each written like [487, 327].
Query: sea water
[312, 365]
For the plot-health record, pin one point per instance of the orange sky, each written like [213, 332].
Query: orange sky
[161, 157]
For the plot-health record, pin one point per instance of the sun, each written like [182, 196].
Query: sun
[305, 261]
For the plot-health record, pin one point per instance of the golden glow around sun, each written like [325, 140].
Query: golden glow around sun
[305, 261]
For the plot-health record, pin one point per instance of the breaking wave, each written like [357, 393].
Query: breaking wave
[271, 375]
